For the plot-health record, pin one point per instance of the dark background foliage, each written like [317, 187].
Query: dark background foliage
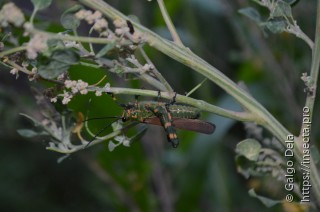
[198, 176]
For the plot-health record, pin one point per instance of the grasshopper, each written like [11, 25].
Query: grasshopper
[170, 116]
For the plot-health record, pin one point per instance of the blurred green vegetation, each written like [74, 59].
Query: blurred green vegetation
[151, 176]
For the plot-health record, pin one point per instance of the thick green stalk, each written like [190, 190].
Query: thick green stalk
[169, 23]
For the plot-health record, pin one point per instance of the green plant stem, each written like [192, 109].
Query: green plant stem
[13, 50]
[81, 147]
[185, 56]
[33, 15]
[19, 68]
[202, 105]
[314, 74]
[96, 40]
[169, 23]
[156, 72]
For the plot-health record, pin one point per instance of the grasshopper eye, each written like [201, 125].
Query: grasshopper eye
[124, 119]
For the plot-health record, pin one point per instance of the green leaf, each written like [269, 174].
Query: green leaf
[36, 123]
[276, 25]
[249, 148]
[68, 20]
[251, 13]
[53, 45]
[244, 166]
[291, 2]
[282, 9]
[41, 4]
[266, 201]
[105, 49]
[29, 133]
[111, 146]
[59, 62]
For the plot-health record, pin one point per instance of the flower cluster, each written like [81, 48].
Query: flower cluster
[77, 86]
[10, 13]
[36, 44]
[99, 23]
[121, 26]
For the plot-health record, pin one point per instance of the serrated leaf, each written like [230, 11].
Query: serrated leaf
[105, 49]
[251, 13]
[249, 148]
[41, 4]
[58, 63]
[266, 201]
[68, 20]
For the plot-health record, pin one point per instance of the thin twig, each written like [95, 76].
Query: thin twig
[169, 23]
[155, 71]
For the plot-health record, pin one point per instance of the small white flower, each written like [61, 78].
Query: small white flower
[81, 14]
[10, 13]
[97, 15]
[90, 17]
[36, 44]
[34, 70]
[84, 91]
[82, 86]
[98, 93]
[70, 83]
[66, 98]
[54, 99]
[14, 71]
[107, 87]
[74, 90]
[120, 31]
[119, 23]
[100, 24]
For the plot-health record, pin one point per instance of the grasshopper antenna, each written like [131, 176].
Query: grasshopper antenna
[101, 131]
[104, 117]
